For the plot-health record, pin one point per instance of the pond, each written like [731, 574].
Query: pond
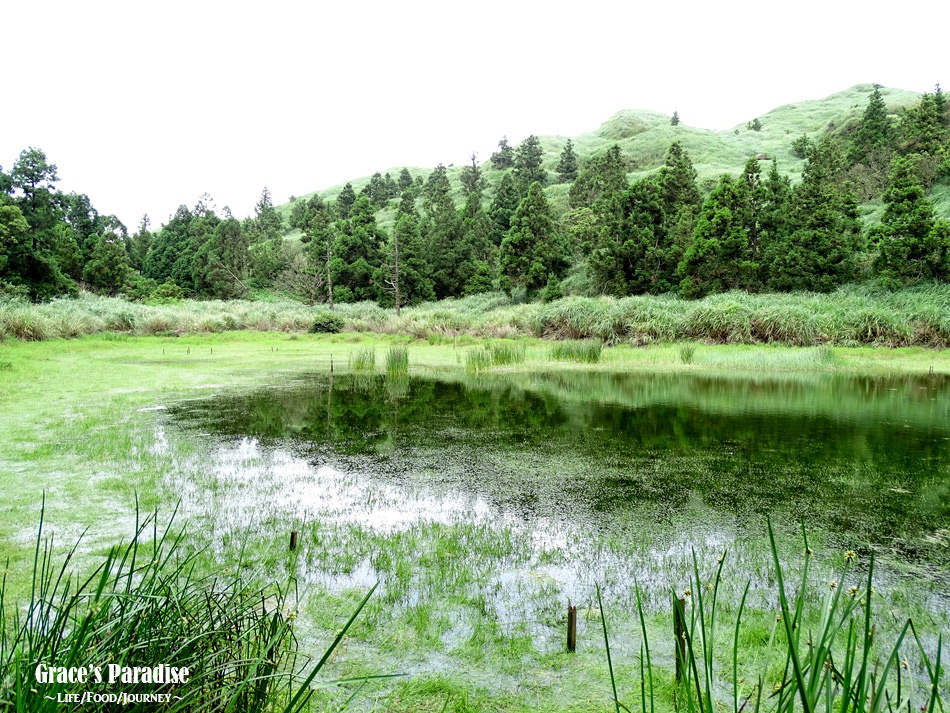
[493, 500]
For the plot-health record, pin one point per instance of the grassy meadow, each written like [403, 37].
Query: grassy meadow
[849, 317]
[81, 421]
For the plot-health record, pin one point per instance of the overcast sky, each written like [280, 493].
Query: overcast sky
[144, 106]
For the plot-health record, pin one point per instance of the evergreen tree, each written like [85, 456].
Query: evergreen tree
[773, 219]
[604, 177]
[403, 277]
[436, 190]
[222, 262]
[404, 182]
[471, 178]
[320, 240]
[873, 134]
[818, 251]
[940, 102]
[109, 264]
[567, 166]
[533, 250]
[504, 157]
[528, 164]
[31, 261]
[356, 254]
[675, 119]
[503, 206]
[266, 223]
[720, 257]
[141, 244]
[909, 247]
[922, 129]
[345, 201]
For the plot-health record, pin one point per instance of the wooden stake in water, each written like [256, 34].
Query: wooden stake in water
[571, 628]
[679, 628]
[331, 363]
[293, 539]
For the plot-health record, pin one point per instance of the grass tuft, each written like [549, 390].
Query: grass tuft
[587, 351]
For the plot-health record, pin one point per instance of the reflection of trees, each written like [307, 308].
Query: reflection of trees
[669, 439]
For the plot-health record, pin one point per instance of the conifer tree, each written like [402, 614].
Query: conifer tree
[533, 250]
[911, 245]
[873, 134]
[345, 201]
[504, 157]
[471, 178]
[404, 182]
[567, 166]
[675, 119]
[503, 206]
[528, 164]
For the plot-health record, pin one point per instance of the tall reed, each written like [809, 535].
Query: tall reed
[833, 662]
[150, 603]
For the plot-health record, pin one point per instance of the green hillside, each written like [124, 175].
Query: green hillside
[645, 136]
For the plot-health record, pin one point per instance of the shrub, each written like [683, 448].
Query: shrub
[325, 322]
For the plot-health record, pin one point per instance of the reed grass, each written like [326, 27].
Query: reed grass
[852, 316]
[505, 353]
[833, 662]
[586, 351]
[363, 359]
[150, 603]
[687, 352]
[397, 361]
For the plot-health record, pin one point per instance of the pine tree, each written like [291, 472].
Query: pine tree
[873, 134]
[345, 201]
[404, 182]
[528, 164]
[320, 240]
[817, 253]
[403, 275]
[504, 157]
[567, 166]
[675, 119]
[720, 258]
[503, 206]
[909, 247]
[109, 264]
[471, 178]
[603, 178]
[533, 250]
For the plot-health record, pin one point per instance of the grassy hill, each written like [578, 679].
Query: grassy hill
[644, 136]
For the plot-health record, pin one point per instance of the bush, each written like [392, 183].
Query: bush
[326, 322]
[165, 293]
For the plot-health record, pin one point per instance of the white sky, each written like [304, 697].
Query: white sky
[147, 105]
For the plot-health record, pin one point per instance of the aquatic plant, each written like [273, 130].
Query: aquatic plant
[150, 602]
[587, 351]
[397, 361]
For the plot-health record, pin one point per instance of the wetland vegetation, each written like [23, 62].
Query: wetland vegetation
[484, 501]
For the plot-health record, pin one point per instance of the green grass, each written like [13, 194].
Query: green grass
[150, 602]
[587, 351]
[850, 317]
[832, 657]
[397, 361]
[363, 359]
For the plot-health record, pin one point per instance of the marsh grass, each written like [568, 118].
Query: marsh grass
[477, 359]
[506, 353]
[363, 359]
[851, 316]
[686, 353]
[832, 661]
[150, 602]
[586, 351]
[397, 361]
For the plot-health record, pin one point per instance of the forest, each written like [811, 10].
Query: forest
[496, 227]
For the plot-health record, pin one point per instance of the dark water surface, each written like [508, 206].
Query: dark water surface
[865, 460]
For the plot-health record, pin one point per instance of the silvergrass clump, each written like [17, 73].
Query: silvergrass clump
[477, 359]
[587, 351]
[687, 352]
[503, 353]
[363, 359]
[150, 603]
[832, 659]
[397, 361]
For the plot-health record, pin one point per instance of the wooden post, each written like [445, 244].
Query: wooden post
[679, 627]
[189, 350]
[293, 539]
[571, 628]
[212, 350]
[331, 363]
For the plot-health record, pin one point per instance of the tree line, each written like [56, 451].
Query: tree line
[658, 234]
